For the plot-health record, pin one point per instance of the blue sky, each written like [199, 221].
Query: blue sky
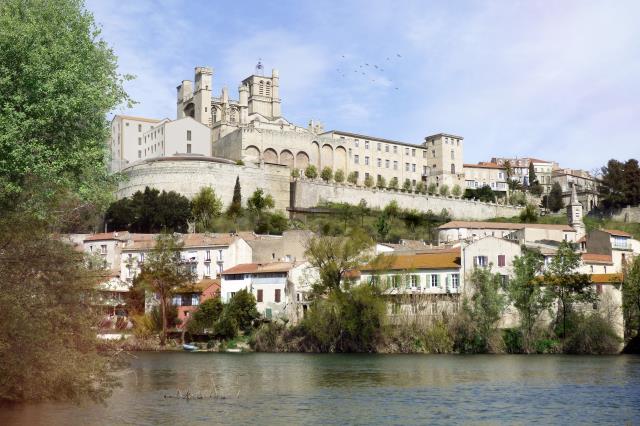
[557, 80]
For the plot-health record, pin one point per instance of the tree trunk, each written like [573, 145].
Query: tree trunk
[163, 311]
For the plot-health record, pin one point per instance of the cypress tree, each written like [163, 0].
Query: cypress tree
[236, 201]
[533, 179]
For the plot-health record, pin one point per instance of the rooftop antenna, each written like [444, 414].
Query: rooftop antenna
[259, 67]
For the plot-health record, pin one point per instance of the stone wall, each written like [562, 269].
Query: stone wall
[309, 193]
[187, 176]
[627, 214]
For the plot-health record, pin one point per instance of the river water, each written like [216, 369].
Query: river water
[289, 389]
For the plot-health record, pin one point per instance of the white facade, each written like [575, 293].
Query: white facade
[179, 137]
[486, 174]
[126, 139]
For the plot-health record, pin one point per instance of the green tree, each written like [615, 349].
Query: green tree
[242, 308]
[554, 199]
[484, 194]
[205, 208]
[295, 173]
[311, 172]
[620, 184]
[382, 227]
[508, 170]
[533, 179]
[444, 190]
[235, 208]
[162, 271]
[529, 214]
[173, 212]
[406, 186]
[393, 183]
[259, 202]
[631, 298]
[456, 191]
[58, 81]
[432, 189]
[392, 209]
[326, 174]
[353, 178]
[525, 292]
[565, 285]
[339, 176]
[120, 215]
[368, 181]
[421, 188]
[380, 182]
[334, 256]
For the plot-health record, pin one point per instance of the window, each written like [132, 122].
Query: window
[195, 300]
[413, 152]
[501, 260]
[504, 280]
[386, 148]
[455, 280]
[188, 148]
[139, 154]
[139, 141]
[139, 127]
[433, 153]
[126, 124]
[395, 281]
[480, 261]
[406, 151]
[259, 296]
[379, 146]
[395, 165]
[188, 135]
[357, 142]
[406, 167]
[453, 169]
[413, 168]
[395, 149]
[356, 159]
[103, 249]
[424, 154]
[415, 281]
[207, 269]
[379, 162]
[141, 257]
[425, 170]
[366, 161]
[453, 155]
[277, 296]
[435, 280]
[366, 144]
[386, 163]
[176, 300]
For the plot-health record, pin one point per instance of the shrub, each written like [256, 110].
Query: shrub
[529, 214]
[432, 188]
[456, 191]
[368, 181]
[393, 183]
[513, 341]
[326, 174]
[406, 186]
[339, 176]
[421, 188]
[380, 182]
[311, 172]
[591, 334]
[270, 337]
[295, 173]
[143, 326]
[240, 163]
[226, 327]
[242, 309]
[205, 317]
[437, 339]
[353, 178]
[444, 190]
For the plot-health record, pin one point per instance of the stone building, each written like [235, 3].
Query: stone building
[585, 184]
[486, 174]
[520, 170]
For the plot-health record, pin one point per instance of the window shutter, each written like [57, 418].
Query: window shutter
[277, 295]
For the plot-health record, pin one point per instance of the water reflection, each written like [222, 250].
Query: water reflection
[360, 389]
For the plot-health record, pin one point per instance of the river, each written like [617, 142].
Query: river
[289, 389]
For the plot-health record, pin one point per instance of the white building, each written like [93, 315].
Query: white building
[126, 139]
[486, 174]
[459, 230]
[169, 138]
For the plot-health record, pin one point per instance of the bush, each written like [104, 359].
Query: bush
[591, 334]
[513, 340]
[311, 172]
[326, 174]
[421, 188]
[353, 178]
[529, 214]
[368, 181]
[437, 339]
[393, 183]
[444, 190]
[143, 326]
[406, 186]
[295, 173]
[242, 309]
[226, 327]
[339, 176]
[240, 163]
[432, 189]
[380, 182]
[270, 337]
[206, 316]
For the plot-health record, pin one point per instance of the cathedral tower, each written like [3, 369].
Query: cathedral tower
[264, 95]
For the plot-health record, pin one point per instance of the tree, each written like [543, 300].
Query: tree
[311, 172]
[456, 191]
[444, 190]
[258, 202]
[432, 189]
[565, 285]
[406, 186]
[295, 173]
[529, 214]
[525, 292]
[380, 182]
[235, 208]
[631, 298]
[172, 213]
[554, 199]
[48, 345]
[484, 194]
[334, 257]
[326, 174]
[339, 176]
[533, 179]
[508, 169]
[393, 183]
[242, 308]
[620, 184]
[120, 215]
[205, 207]
[353, 178]
[421, 188]
[368, 181]
[392, 209]
[58, 81]
[382, 227]
[162, 271]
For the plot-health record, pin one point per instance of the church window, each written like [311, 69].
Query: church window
[356, 159]
[268, 88]
[261, 87]
[366, 161]
[386, 163]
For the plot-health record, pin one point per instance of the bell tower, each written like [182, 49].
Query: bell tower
[574, 214]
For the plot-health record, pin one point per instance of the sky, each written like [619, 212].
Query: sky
[554, 80]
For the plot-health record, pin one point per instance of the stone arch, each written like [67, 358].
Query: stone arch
[340, 159]
[302, 160]
[326, 158]
[315, 154]
[270, 156]
[252, 153]
[286, 158]
[190, 110]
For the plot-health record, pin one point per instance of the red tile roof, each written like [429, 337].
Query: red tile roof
[484, 165]
[617, 233]
[606, 278]
[261, 268]
[442, 259]
[597, 258]
[104, 236]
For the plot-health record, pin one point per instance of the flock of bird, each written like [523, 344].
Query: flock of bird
[369, 69]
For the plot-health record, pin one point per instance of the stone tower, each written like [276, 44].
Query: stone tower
[264, 95]
[574, 214]
[195, 100]
[444, 154]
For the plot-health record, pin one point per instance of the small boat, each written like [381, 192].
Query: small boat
[189, 348]
[235, 350]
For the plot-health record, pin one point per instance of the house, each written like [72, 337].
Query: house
[490, 252]
[187, 298]
[288, 247]
[280, 288]
[458, 230]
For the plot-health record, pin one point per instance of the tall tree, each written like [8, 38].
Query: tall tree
[533, 179]
[205, 208]
[554, 199]
[565, 285]
[58, 80]
[631, 298]
[236, 202]
[162, 271]
[485, 307]
[525, 292]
